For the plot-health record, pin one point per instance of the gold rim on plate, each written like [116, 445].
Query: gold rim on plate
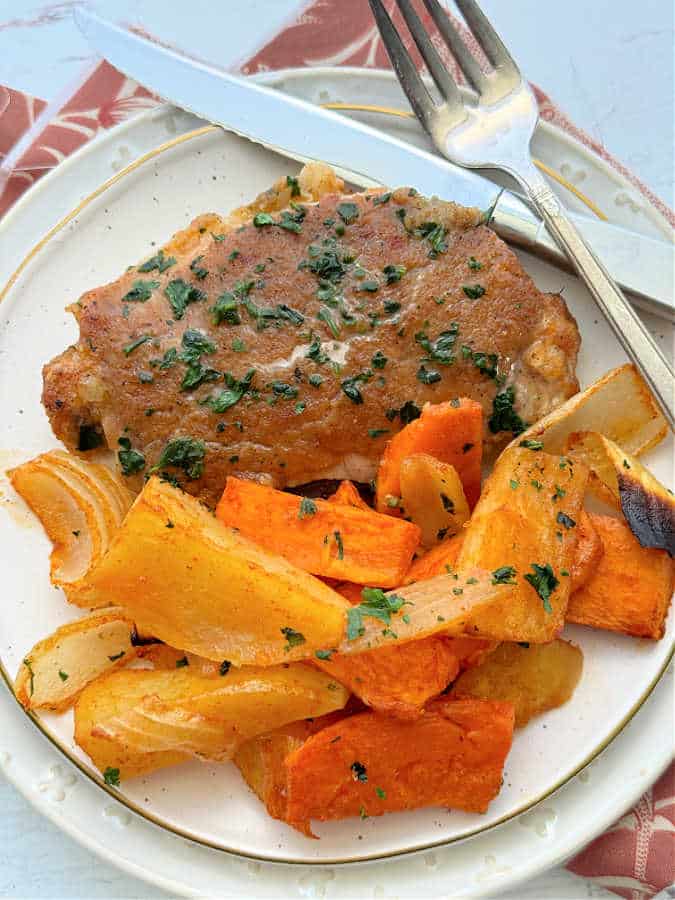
[175, 829]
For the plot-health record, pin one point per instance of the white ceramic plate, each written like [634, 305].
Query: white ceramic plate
[210, 804]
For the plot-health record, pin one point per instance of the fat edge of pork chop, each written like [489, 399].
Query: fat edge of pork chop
[295, 337]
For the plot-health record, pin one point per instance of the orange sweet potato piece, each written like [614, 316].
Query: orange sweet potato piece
[321, 537]
[436, 561]
[631, 588]
[470, 651]
[347, 495]
[587, 553]
[350, 591]
[451, 432]
[370, 764]
[398, 679]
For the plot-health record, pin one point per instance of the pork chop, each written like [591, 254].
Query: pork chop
[294, 339]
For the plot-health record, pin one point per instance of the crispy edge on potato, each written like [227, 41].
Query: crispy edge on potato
[534, 677]
[631, 588]
[227, 598]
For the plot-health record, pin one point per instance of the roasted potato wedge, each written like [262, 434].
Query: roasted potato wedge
[440, 560]
[451, 432]
[631, 587]
[523, 531]
[369, 764]
[622, 481]
[432, 496]
[81, 505]
[54, 672]
[618, 405]
[587, 552]
[138, 720]
[534, 677]
[195, 584]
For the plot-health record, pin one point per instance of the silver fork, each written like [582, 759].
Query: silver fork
[495, 132]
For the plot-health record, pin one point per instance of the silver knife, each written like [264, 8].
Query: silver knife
[642, 266]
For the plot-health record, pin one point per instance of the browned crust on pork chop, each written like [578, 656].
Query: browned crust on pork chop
[328, 300]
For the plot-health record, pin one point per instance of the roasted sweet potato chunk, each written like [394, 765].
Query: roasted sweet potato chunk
[523, 531]
[534, 677]
[320, 536]
[440, 560]
[631, 588]
[348, 495]
[192, 582]
[369, 764]
[451, 432]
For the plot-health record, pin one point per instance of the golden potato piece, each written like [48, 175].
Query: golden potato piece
[534, 678]
[619, 405]
[54, 672]
[622, 481]
[195, 584]
[139, 720]
[587, 553]
[433, 497]
[523, 531]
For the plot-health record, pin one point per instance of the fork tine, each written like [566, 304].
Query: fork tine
[492, 45]
[419, 97]
[467, 63]
[443, 79]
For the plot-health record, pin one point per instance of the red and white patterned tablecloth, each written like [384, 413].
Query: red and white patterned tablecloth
[635, 858]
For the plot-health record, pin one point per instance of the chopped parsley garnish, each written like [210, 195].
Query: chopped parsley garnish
[441, 349]
[434, 234]
[184, 453]
[448, 503]
[537, 485]
[359, 771]
[28, 663]
[377, 432]
[514, 484]
[348, 212]
[339, 544]
[63, 675]
[182, 662]
[307, 508]
[473, 291]
[134, 345]
[116, 656]
[531, 445]
[261, 219]
[504, 575]
[428, 376]
[380, 793]
[159, 262]
[324, 315]
[131, 461]
[224, 667]
[350, 386]
[293, 638]
[88, 438]
[379, 360]
[235, 253]
[559, 493]
[315, 380]
[381, 199]
[393, 274]
[239, 346]
[283, 390]
[325, 263]
[180, 294]
[168, 360]
[486, 363]
[504, 417]
[198, 271]
[544, 582]
[324, 654]
[225, 309]
[474, 265]
[376, 604]
[194, 344]
[265, 315]
[294, 185]
[409, 412]
[140, 292]
[370, 286]
[112, 777]
[228, 397]
[563, 519]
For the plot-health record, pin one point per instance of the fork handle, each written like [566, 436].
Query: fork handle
[632, 334]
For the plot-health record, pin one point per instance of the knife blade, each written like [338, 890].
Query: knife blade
[304, 131]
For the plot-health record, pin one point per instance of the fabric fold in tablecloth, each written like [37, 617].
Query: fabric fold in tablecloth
[635, 858]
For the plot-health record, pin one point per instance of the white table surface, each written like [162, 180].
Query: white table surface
[594, 59]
